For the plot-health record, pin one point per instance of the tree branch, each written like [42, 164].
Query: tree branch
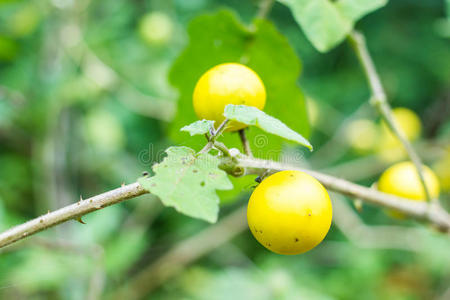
[70, 212]
[431, 212]
[379, 101]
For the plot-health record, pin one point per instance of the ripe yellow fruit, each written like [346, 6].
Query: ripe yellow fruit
[224, 84]
[442, 169]
[289, 212]
[402, 180]
[390, 148]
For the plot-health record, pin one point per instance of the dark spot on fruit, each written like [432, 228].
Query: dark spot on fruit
[202, 183]
[309, 214]
[296, 240]
[292, 175]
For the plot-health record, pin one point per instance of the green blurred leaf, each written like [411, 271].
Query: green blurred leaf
[252, 116]
[198, 127]
[9, 48]
[326, 23]
[188, 181]
[322, 22]
[356, 9]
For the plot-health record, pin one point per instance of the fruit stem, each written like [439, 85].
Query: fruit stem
[245, 143]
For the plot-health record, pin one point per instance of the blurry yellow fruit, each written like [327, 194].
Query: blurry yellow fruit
[224, 84]
[289, 212]
[403, 181]
[442, 169]
[362, 135]
[390, 148]
[156, 28]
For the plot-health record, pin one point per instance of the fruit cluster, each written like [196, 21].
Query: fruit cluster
[290, 212]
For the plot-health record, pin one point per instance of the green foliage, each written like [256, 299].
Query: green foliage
[187, 181]
[326, 23]
[252, 116]
[198, 127]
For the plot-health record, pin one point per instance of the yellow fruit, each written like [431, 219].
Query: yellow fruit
[362, 135]
[224, 84]
[289, 212]
[402, 180]
[442, 169]
[390, 148]
[407, 120]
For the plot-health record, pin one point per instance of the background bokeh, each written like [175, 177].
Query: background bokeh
[88, 101]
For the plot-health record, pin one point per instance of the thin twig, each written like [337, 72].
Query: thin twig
[221, 128]
[70, 212]
[379, 101]
[245, 143]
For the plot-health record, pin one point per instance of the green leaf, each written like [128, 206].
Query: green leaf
[198, 127]
[356, 9]
[327, 23]
[252, 116]
[187, 182]
[322, 22]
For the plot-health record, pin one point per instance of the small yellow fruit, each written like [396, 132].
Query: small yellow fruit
[390, 148]
[224, 84]
[402, 180]
[442, 169]
[408, 121]
[289, 212]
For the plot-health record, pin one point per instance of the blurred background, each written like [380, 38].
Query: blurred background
[86, 104]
